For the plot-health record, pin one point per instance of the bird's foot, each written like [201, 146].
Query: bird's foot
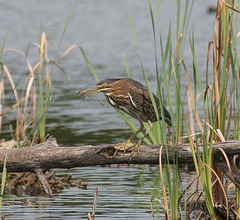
[128, 145]
[124, 145]
[134, 148]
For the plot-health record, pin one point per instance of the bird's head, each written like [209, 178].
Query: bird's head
[105, 86]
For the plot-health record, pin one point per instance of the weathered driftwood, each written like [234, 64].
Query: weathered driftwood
[48, 155]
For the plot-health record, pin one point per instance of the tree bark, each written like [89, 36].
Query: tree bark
[48, 155]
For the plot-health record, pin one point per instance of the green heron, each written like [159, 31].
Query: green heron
[132, 98]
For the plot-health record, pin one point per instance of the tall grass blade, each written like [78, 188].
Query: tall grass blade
[66, 25]
[126, 66]
[3, 46]
[4, 175]
[89, 64]
[143, 70]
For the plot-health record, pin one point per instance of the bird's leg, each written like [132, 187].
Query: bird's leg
[136, 146]
[134, 135]
[128, 140]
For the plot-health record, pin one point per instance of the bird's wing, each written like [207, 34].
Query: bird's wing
[141, 100]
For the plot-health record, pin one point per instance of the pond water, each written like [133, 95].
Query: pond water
[125, 192]
[102, 30]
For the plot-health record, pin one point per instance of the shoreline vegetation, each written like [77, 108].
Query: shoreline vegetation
[219, 96]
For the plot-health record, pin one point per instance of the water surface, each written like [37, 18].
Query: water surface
[102, 30]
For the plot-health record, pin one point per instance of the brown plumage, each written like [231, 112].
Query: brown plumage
[132, 98]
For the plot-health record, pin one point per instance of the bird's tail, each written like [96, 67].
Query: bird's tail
[168, 121]
[167, 117]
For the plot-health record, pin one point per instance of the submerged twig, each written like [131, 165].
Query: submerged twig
[92, 217]
[42, 179]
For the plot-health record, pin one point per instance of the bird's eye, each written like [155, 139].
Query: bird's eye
[104, 85]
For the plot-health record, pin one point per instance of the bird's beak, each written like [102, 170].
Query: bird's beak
[80, 93]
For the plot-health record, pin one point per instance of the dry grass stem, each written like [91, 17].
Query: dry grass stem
[27, 106]
[163, 185]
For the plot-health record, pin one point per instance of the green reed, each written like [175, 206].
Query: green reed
[218, 105]
[4, 176]
[219, 98]
[35, 99]
[44, 96]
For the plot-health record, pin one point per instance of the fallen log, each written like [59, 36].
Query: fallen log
[48, 155]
